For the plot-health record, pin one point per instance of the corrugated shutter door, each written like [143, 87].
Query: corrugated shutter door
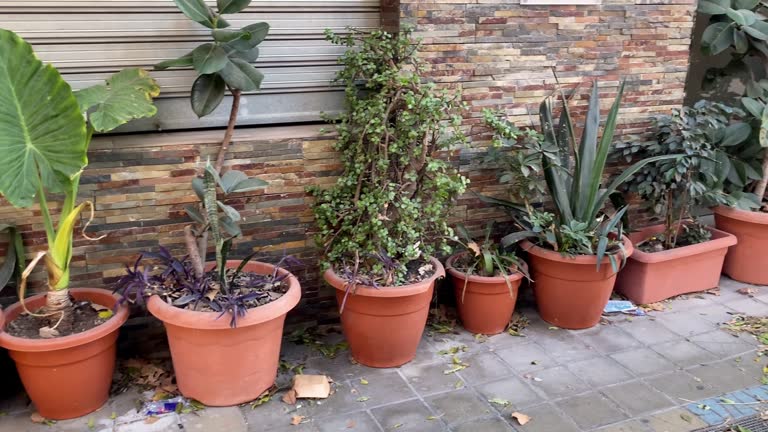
[88, 40]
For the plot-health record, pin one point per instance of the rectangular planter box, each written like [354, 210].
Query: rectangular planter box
[652, 277]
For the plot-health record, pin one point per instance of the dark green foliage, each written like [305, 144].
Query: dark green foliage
[389, 207]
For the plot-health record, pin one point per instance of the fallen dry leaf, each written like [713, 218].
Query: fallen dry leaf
[37, 418]
[297, 419]
[290, 397]
[98, 307]
[748, 291]
[658, 307]
[521, 418]
[474, 248]
[48, 333]
[151, 419]
[351, 424]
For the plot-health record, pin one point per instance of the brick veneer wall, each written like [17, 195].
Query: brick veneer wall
[499, 53]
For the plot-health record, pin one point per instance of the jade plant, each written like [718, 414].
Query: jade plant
[578, 223]
[387, 213]
[45, 130]
[672, 189]
[224, 63]
[739, 27]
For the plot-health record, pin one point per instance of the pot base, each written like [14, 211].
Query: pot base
[747, 260]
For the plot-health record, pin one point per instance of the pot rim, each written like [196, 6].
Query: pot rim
[210, 320]
[551, 255]
[475, 278]
[15, 343]
[388, 291]
[755, 217]
[724, 241]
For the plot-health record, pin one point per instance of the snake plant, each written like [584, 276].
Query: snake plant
[45, 130]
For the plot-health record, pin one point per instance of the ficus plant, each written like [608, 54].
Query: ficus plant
[223, 63]
[574, 175]
[388, 210]
[672, 188]
[45, 130]
[739, 27]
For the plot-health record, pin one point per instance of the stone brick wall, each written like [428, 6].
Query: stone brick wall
[499, 53]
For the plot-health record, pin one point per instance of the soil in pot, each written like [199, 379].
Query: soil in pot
[485, 303]
[85, 316]
[384, 324]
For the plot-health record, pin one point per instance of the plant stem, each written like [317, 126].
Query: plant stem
[230, 130]
[194, 252]
[761, 185]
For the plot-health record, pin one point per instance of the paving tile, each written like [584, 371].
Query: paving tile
[686, 323]
[637, 398]
[643, 361]
[513, 389]
[725, 376]
[17, 403]
[383, 388]
[600, 371]
[648, 331]
[459, 406]
[749, 306]
[410, 416]
[684, 353]
[339, 368]
[565, 347]
[680, 386]
[271, 415]
[483, 367]
[608, 339]
[591, 410]
[558, 382]
[690, 302]
[630, 426]
[20, 422]
[307, 426]
[428, 378]
[360, 421]
[493, 424]
[722, 344]
[164, 423]
[676, 420]
[344, 400]
[527, 358]
[717, 314]
[547, 418]
[228, 419]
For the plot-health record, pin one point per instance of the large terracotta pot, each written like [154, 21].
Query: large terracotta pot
[486, 305]
[651, 277]
[69, 376]
[219, 365]
[570, 292]
[748, 260]
[384, 325]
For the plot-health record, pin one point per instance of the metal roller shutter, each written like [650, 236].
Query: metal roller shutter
[88, 40]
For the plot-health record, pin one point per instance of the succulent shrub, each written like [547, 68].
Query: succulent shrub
[671, 188]
[574, 175]
[740, 28]
[389, 207]
[43, 149]
[224, 63]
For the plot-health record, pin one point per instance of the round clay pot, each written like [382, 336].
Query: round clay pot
[487, 303]
[570, 292]
[384, 325]
[747, 260]
[69, 376]
[219, 365]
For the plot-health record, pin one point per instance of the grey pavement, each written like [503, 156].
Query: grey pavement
[628, 374]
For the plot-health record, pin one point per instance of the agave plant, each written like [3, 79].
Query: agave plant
[222, 64]
[574, 178]
[45, 130]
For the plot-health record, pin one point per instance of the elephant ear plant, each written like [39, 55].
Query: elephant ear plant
[223, 63]
[45, 130]
[574, 178]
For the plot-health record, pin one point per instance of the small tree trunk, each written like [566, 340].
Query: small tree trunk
[194, 252]
[761, 185]
[58, 308]
[230, 130]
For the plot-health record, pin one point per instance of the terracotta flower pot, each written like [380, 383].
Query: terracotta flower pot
[487, 304]
[219, 365]
[747, 261]
[384, 325]
[570, 292]
[651, 277]
[69, 376]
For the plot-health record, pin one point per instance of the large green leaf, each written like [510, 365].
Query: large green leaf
[746, 4]
[231, 6]
[717, 38]
[43, 134]
[763, 134]
[754, 107]
[207, 93]
[197, 11]
[586, 192]
[241, 75]
[714, 7]
[127, 95]
[209, 58]
[256, 34]
[183, 61]
[736, 134]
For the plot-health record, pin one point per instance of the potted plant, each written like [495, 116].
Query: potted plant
[577, 250]
[63, 342]
[486, 278]
[739, 27]
[386, 216]
[681, 255]
[221, 64]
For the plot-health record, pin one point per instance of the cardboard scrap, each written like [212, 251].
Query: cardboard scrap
[308, 387]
